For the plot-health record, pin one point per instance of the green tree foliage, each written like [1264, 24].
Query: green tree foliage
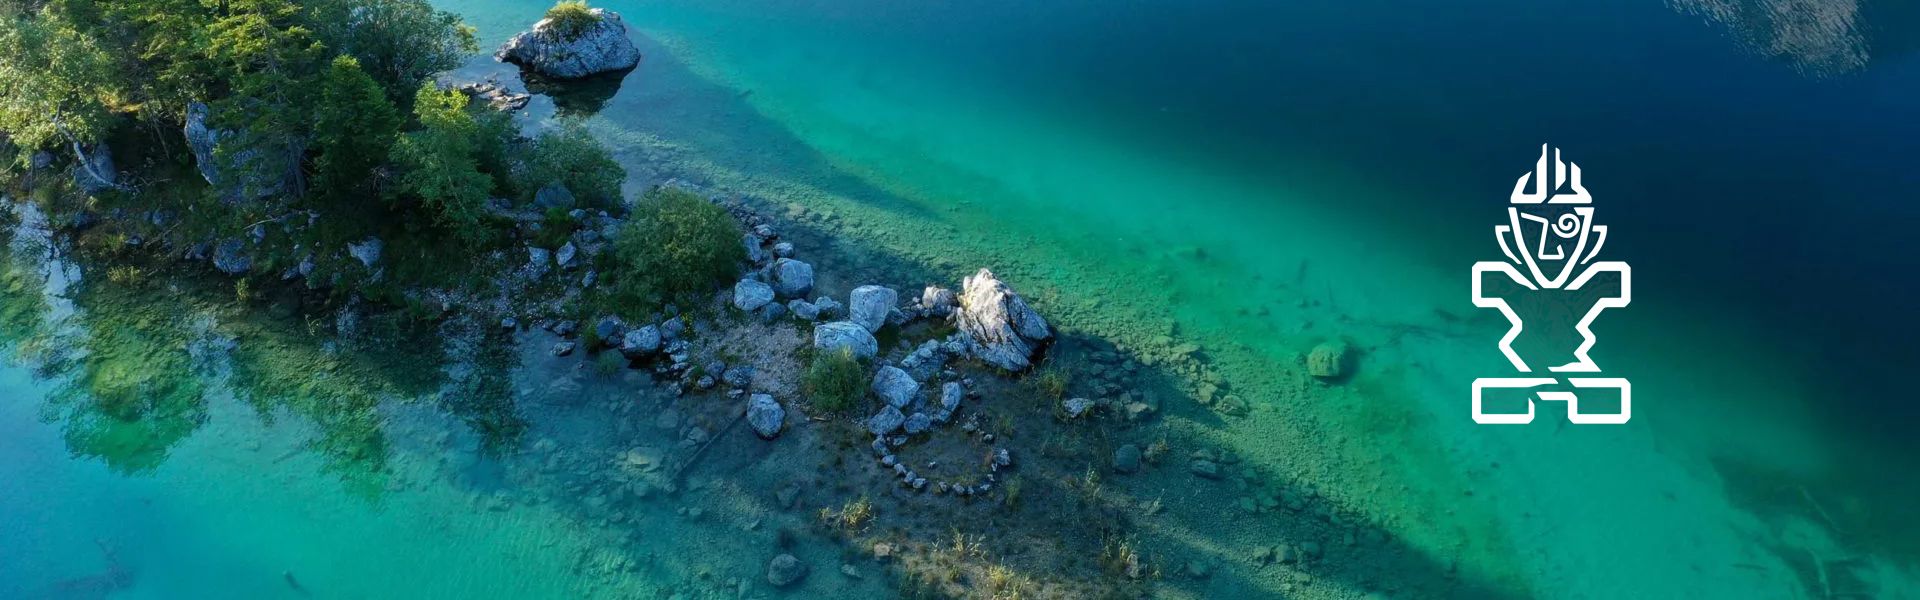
[58, 84]
[268, 59]
[400, 43]
[354, 125]
[675, 244]
[438, 161]
[570, 156]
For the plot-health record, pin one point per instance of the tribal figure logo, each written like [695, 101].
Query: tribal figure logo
[1550, 242]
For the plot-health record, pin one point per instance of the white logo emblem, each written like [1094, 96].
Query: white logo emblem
[1551, 235]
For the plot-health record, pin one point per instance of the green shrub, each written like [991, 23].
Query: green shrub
[571, 18]
[569, 155]
[835, 381]
[676, 244]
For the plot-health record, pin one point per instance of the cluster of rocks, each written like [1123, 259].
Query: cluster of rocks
[1000, 458]
[551, 49]
[495, 95]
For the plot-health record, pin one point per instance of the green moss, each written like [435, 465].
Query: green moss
[835, 381]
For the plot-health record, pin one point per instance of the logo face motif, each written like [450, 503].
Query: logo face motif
[1550, 241]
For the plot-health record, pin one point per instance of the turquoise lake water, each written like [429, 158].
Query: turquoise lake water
[1251, 178]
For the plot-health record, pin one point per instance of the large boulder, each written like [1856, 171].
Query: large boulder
[559, 51]
[868, 305]
[938, 301]
[831, 337]
[1331, 360]
[750, 295]
[640, 342]
[765, 415]
[997, 324]
[894, 386]
[792, 278]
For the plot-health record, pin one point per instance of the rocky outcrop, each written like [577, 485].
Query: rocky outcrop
[203, 140]
[868, 305]
[765, 415]
[998, 326]
[551, 50]
[832, 337]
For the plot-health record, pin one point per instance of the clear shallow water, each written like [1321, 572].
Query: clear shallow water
[1256, 179]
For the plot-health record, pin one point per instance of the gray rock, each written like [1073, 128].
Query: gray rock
[765, 415]
[1331, 360]
[609, 329]
[784, 570]
[738, 376]
[95, 173]
[868, 306]
[750, 295]
[1076, 407]
[554, 195]
[918, 423]
[894, 386]
[792, 278]
[640, 342]
[938, 301]
[831, 337]
[539, 260]
[1127, 459]
[998, 325]
[563, 348]
[829, 308]
[950, 394]
[566, 255]
[803, 309]
[230, 257]
[783, 249]
[886, 421]
[755, 254]
[367, 252]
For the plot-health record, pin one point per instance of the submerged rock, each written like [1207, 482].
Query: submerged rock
[1076, 407]
[894, 386]
[868, 305]
[792, 278]
[1331, 360]
[1126, 459]
[765, 415]
[831, 337]
[998, 325]
[785, 570]
[750, 295]
[551, 49]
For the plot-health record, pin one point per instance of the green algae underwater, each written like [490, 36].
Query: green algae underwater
[1214, 188]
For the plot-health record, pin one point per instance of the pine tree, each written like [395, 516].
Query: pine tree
[354, 125]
